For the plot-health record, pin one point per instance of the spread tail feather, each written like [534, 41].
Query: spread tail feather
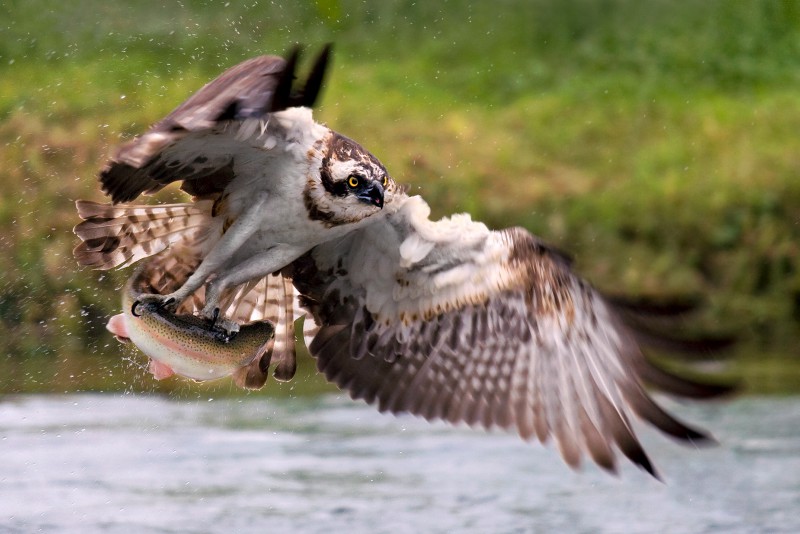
[117, 235]
[270, 298]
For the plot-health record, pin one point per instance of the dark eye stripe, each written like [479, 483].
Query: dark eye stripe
[338, 189]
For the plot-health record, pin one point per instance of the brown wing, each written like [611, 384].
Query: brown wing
[451, 321]
[182, 146]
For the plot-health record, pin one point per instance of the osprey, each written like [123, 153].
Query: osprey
[443, 319]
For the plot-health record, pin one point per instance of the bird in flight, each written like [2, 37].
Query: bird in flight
[445, 319]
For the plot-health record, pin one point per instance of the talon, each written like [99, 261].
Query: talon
[220, 334]
[223, 329]
[214, 317]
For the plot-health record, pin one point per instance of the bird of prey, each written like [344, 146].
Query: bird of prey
[445, 319]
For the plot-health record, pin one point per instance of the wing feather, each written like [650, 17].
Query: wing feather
[448, 320]
[188, 145]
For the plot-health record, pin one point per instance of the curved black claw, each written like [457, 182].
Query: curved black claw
[220, 332]
[214, 317]
[152, 303]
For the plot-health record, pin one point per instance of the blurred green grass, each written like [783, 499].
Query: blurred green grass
[656, 141]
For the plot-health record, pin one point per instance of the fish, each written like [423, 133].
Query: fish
[187, 345]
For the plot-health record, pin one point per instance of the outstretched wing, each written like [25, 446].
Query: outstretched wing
[448, 320]
[186, 144]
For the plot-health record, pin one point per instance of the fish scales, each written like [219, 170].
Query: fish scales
[184, 344]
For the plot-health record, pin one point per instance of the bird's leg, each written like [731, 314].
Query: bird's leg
[258, 266]
[234, 237]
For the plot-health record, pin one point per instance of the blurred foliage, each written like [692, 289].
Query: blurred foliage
[656, 141]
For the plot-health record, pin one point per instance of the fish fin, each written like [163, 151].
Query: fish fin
[116, 325]
[159, 370]
[254, 375]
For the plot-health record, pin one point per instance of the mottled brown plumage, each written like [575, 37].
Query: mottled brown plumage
[492, 329]
[265, 177]
[443, 319]
[252, 89]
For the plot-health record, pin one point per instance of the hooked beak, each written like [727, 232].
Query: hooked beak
[372, 195]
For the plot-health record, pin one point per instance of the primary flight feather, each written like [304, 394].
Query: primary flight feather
[443, 319]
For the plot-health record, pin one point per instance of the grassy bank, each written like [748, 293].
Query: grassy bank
[656, 141]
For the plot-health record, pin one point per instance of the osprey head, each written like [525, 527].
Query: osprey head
[350, 184]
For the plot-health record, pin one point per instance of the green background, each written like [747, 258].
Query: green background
[656, 141]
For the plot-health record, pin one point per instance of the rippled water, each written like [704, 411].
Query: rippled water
[126, 463]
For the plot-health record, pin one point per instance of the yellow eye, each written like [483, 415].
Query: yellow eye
[385, 181]
[352, 181]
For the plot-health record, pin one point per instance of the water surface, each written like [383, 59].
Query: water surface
[136, 463]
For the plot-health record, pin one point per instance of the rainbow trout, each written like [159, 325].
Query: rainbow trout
[184, 344]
